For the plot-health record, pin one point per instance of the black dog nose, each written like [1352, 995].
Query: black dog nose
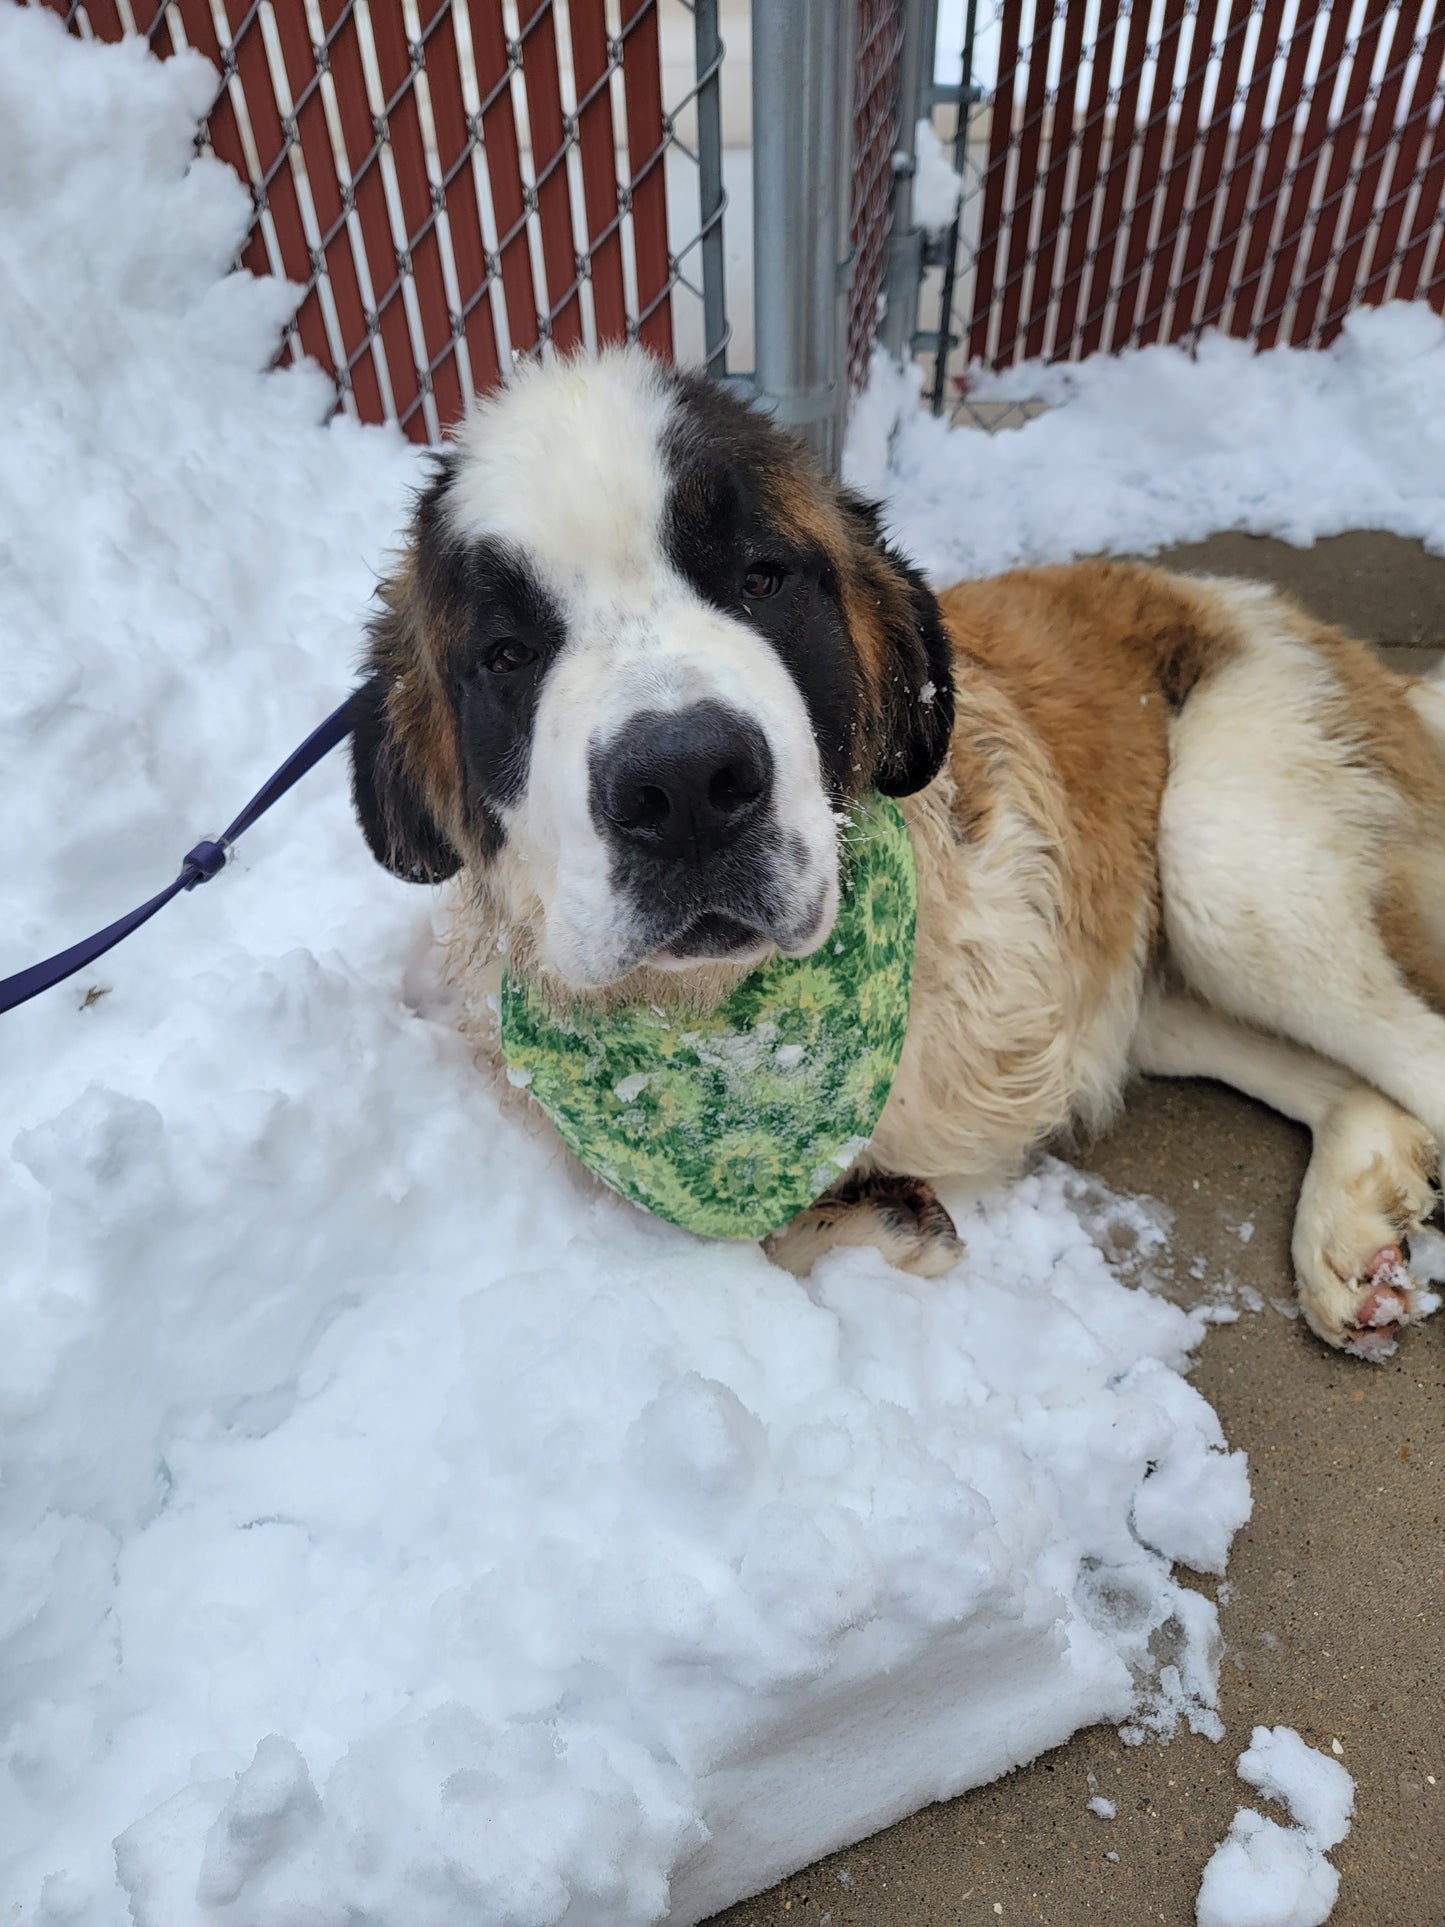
[682, 784]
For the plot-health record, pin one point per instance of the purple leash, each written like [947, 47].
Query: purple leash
[198, 866]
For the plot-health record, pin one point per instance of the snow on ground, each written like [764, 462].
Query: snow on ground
[1152, 447]
[394, 1527]
[1318, 1792]
[1265, 1875]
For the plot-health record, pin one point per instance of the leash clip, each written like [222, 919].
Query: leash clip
[207, 860]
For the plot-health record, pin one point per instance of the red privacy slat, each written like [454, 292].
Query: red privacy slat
[875, 141]
[994, 182]
[1090, 146]
[1418, 253]
[1304, 187]
[596, 140]
[419, 242]
[1365, 198]
[283, 202]
[1234, 229]
[1409, 155]
[104, 18]
[222, 125]
[1408, 147]
[538, 22]
[1116, 174]
[1344, 134]
[1029, 138]
[642, 71]
[363, 144]
[463, 207]
[148, 16]
[1151, 155]
[1212, 163]
[1182, 145]
[1274, 170]
[1055, 164]
[504, 169]
[314, 141]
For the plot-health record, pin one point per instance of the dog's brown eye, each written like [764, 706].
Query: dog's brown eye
[761, 581]
[510, 654]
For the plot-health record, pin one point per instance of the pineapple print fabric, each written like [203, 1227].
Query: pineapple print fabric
[731, 1124]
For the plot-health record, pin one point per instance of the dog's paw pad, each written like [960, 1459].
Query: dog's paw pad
[1387, 1305]
[1387, 1267]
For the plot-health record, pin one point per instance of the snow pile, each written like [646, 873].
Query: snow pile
[394, 1527]
[1152, 447]
[1265, 1875]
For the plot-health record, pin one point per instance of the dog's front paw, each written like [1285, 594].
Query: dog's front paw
[900, 1217]
[1368, 1188]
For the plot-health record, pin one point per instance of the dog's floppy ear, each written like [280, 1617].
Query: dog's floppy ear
[916, 694]
[393, 811]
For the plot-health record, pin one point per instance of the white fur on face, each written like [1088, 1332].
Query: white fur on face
[568, 468]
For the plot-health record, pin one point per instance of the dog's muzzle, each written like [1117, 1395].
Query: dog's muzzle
[680, 787]
[685, 800]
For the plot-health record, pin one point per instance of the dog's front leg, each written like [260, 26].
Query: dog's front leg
[900, 1217]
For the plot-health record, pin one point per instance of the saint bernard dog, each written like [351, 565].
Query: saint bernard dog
[639, 655]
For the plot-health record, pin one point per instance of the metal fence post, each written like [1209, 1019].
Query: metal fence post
[803, 58]
[712, 197]
[905, 239]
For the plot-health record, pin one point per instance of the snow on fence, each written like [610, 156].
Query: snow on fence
[457, 181]
[453, 182]
[1140, 173]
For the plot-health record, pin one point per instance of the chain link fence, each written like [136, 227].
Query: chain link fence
[454, 183]
[1138, 173]
[875, 146]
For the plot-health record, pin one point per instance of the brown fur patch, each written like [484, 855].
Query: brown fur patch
[1093, 657]
[410, 646]
[1372, 717]
[873, 597]
[1409, 939]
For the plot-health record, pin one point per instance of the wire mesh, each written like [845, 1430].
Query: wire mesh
[875, 141]
[452, 183]
[1141, 172]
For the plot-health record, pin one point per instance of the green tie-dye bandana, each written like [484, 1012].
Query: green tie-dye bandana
[731, 1124]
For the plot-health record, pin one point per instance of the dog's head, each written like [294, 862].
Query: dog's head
[637, 658]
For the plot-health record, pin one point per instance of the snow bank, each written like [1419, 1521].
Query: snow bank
[1152, 447]
[394, 1527]
[1265, 1875]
